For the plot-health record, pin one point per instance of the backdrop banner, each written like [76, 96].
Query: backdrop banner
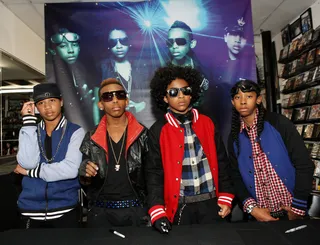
[89, 42]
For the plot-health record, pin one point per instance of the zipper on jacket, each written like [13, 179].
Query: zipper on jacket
[107, 167]
[126, 157]
[104, 182]
[46, 197]
[135, 193]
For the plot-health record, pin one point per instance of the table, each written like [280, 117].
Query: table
[250, 233]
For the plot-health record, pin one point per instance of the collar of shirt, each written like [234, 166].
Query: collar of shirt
[253, 126]
[183, 118]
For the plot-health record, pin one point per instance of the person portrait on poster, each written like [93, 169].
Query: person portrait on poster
[118, 65]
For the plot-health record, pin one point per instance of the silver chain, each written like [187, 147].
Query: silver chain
[114, 154]
[180, 212]
[58, 147]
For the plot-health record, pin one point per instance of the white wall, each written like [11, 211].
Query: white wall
[17, 39]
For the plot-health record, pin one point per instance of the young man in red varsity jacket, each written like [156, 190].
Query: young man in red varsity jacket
[186, 169]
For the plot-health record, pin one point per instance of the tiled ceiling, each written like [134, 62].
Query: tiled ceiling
[267, 14]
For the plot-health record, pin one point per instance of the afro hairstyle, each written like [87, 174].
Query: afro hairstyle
[165, 75]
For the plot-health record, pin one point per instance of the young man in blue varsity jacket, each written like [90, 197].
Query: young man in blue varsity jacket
[271, 168]
[49, 157]
[186, 169]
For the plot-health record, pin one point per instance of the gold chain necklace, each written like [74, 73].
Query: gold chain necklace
[117, 166]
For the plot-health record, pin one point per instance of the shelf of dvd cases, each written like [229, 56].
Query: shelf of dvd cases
[304, 98]
[299, 105]
[314, 152]
[306, 62]
[309, 131]
[300, 61]
[301, 55]
[302, 81]
[300, 46]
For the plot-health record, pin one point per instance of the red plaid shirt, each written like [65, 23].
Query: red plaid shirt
[270, 191]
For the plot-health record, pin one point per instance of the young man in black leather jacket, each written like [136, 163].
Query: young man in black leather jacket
[113, 158]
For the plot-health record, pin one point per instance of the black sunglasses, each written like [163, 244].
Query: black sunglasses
[69, 36]
[245, 87]
[178, 41]
[113, 42]
[108, 96]
[173, 92]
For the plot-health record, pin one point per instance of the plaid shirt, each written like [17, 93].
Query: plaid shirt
[270, 191]
[196, 175]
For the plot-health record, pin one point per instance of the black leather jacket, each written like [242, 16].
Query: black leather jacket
[94, 148]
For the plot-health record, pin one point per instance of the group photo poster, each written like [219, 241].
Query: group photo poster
[89, 42]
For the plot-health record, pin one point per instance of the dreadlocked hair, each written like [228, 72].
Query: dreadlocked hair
[235, 128]
[236, 124]
[261, 116]
[165, 75]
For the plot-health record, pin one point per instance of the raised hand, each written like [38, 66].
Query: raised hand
[28, 108]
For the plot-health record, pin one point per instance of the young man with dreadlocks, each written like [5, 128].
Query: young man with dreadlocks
[186, 169]
[271, 168]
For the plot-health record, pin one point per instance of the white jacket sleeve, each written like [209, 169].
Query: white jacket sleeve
[28, 155]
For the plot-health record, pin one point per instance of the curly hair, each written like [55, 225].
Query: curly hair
[165, 75]
[244, 86]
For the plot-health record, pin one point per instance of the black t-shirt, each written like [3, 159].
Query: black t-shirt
[48, 146]
[117, 186]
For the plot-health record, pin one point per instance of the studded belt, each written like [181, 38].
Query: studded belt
[117, 204]
[197, 198]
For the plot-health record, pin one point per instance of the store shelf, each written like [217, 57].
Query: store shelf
[312, 139]
[307, 121]
[297, 54]
[302, 87]
[301, 105]
[302, 70]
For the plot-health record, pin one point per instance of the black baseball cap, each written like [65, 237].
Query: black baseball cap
[236, 27]
[46, 90]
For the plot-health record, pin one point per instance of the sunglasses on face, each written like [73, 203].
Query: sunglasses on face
[108, 96]
[113, 42]
[173, 92]
[69, 36]
[245, 88]
[178, 41]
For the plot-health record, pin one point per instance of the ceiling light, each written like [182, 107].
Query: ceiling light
[14, 91]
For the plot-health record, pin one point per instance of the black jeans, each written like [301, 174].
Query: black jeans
[68, 220]
[205, 212]
[108, 217]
